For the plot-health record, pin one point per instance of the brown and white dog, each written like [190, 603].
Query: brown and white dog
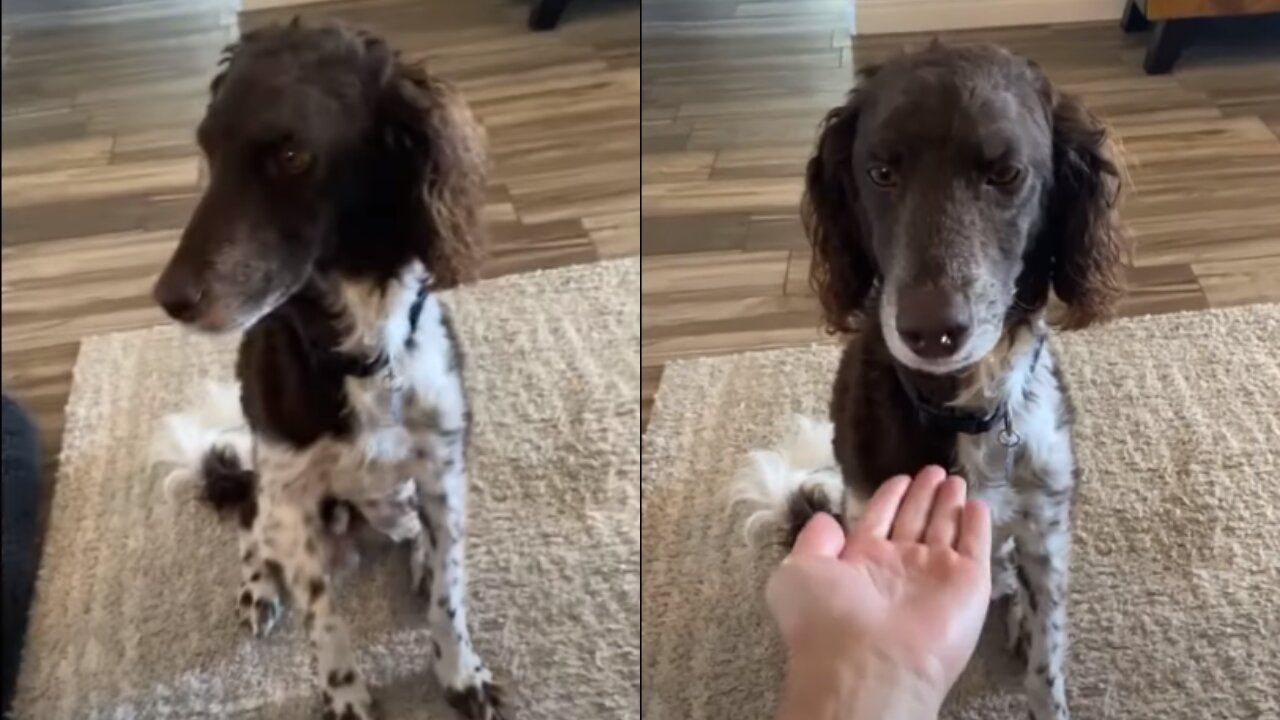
[951, 192]
[344, 190]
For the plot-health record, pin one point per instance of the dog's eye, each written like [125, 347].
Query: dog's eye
[293, 161]
[882, 175]
[1004, 175]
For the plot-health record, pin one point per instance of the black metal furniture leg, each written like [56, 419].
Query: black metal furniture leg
[1134, 20]
[1166, 45]
[545, 14]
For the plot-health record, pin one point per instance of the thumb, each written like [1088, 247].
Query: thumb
[822, 536]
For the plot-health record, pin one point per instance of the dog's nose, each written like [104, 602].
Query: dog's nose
[932, 322]
[180, 301]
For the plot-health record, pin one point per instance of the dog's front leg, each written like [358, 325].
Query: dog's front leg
[1043, 550]
[438, 559]
[290, 537]
[259, 602]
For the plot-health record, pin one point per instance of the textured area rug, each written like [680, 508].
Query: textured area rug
[134, 616]
[1175, 593]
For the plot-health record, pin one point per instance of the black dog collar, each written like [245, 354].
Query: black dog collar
[947, 418]
[359, 367]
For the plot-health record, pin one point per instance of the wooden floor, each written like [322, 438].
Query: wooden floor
[100, 169]
[734, 89]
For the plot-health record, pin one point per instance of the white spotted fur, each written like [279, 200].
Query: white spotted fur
[416, 403]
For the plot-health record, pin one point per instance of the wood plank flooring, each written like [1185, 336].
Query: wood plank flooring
[100, 171]
[733, 92]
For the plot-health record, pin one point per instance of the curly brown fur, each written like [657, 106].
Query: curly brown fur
[1082, 219]
[841, 273]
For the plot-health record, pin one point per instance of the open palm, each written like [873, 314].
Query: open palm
[911, 582]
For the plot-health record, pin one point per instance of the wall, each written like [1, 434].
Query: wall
[896, 16]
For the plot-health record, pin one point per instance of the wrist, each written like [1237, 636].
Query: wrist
[855, 683]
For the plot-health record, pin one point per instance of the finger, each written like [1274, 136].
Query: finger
[877, 519]
[975, 532]
[944, 519]
[822, 536]
[914, 513]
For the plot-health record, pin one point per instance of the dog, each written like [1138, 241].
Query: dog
[947, 197]
[344, 190]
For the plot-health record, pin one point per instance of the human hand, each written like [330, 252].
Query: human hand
[909, 586]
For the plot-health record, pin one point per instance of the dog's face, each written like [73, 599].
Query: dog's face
[951, 161]
[310, 131]
[276, 142]
[944, 192]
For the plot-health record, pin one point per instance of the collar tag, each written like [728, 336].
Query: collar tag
[1009, 437]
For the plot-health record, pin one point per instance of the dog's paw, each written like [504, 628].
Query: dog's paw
[1042, 706]
[347, 698]
[480, 701]
[1055, 713]
[260, 607]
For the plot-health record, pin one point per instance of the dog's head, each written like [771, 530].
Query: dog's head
[953, 188]
[324, 151]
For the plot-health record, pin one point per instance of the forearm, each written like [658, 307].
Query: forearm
[854, 686]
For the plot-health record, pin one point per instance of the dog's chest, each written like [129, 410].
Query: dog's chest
[1042, 464]
[402, 412]
[422, 367]
[401, 418]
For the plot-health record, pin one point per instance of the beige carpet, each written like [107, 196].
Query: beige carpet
[1175, 597]
[134, 615]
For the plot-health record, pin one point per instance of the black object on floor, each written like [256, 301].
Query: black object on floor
[1215, 27]
[1166, 45]
[545, 14]
[19, 501]
[1167, 41]
[1134, 20]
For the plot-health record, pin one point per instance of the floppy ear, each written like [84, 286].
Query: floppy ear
[427, 121]
[1083, 231]
[224, 62]
[842, 272]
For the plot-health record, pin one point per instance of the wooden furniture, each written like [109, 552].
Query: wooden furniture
[545, 14]
[1175, 22]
